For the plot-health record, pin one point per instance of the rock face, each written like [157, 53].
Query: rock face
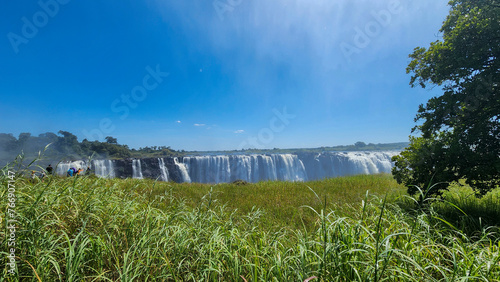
[248, 168]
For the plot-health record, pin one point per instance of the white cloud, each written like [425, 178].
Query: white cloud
[239, 131]
[199, 124]
[178, 121]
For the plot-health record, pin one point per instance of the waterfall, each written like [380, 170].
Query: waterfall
[183, 170]
[334, 164]
[251, 168]
[302, 166]
[369, 163]
[104, 168]
[163, 169]
[267, 171]
[62, 168]
[136, 169]
[289, 167]
[208, 169]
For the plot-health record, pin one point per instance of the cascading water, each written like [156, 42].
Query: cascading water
[251, 168]
[370, 163]
[136, 169]
[62, 168]
[334, 164]
[208, 169]
[289, 167]
[163, 169]
[104, 168]
[266, 171]
[183, 170]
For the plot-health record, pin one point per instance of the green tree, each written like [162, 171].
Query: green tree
[111, 140]
[460, 132]
[8, 143]
[68, 144]
[360, 144]
[23, 138]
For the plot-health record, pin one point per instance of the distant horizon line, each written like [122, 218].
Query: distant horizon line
[330, 148]
[357, 146]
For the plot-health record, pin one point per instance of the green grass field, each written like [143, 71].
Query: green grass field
[359, 228]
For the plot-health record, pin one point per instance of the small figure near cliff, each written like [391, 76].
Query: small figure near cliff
[49, 170]
[71, 171]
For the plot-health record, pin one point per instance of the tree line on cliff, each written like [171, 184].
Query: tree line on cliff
[65, 146]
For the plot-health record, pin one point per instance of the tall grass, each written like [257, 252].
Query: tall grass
[461, 206]
[92, 229]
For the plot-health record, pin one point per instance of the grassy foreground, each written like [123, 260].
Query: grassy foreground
[91, 229]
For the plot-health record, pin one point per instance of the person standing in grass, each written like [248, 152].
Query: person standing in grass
[34, 178]
[42, 176]
[71, 171]
[49, 170]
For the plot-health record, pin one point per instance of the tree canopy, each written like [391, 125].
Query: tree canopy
[111, 140]
[460, 132]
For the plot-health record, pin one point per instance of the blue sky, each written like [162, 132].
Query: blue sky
[214, 75]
